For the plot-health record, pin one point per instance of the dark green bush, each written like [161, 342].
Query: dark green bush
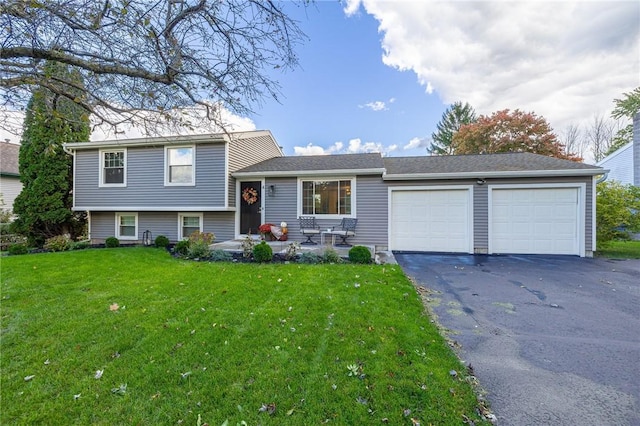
[219, 255]
[58, 243]
[112, 242]
[182, 247]
[359, 254]
[80, 245]
[262, 252]
[161, 241]
[15, 249]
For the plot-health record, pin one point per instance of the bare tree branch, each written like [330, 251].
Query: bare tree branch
[141, 56]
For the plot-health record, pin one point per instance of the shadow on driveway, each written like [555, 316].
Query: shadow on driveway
[554, 340]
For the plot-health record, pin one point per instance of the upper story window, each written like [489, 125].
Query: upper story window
[113, 167]
[327, 197]
[180, 165]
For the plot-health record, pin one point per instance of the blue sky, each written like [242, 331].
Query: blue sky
[343, 93]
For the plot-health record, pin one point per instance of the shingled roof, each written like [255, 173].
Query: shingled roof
[485, 165]
[422, 167]
[370, 163]
[9, 159]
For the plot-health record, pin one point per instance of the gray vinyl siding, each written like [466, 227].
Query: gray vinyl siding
[244, 152]
[222, 224]
[282, 206]
[162, 223]
[103, 225]
[480, 217]
[145, 181]
[372, 211]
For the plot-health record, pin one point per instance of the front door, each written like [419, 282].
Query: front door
[250, 207]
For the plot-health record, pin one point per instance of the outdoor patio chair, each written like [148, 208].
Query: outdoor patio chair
[347, 230]
[309, 228]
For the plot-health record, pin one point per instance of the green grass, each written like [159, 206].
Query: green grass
[620, 250]
[216, 341]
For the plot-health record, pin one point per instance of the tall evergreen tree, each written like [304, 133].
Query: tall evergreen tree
[43, 208]
[452, 119]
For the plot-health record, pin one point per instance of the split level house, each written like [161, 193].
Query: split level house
[231, 183]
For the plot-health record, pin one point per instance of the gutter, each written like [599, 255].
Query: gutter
[296, 173]
[495, 174]
[603, 177]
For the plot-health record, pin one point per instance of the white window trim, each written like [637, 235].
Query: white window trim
[187, 214]
[117, 233]
[326, 178]
[101, 183]
[166, 165]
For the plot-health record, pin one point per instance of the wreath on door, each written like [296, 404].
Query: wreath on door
[250, 195]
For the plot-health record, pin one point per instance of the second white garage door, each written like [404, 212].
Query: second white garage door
[534, 221]
[431, 220]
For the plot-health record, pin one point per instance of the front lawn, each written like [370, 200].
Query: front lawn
[134, 336]
[620, 249]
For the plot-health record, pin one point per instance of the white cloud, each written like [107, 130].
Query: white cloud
[378, 105]
[415, 143]
[11, 127]
[355, 146]
[564, 60]
[374, 106]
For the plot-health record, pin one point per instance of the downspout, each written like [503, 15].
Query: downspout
[72, 153]
[602, 178]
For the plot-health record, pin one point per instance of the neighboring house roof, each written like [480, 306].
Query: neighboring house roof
[620, 164]
[9, 153]
[521, 164]
[316, 165]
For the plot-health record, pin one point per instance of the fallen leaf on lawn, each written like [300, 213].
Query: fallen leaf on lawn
[268, 408]
[47, 362]
[28, 378]
[77, 396]
[114, 307]
[290, 412]
[98, 374]
[120, 390]
[185, 375]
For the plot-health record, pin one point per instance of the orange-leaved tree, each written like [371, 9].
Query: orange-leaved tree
[510, 131]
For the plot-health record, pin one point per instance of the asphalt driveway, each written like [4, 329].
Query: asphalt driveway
[554, 340]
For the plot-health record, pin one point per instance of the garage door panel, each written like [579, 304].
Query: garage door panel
[534, 221]
[439, 221]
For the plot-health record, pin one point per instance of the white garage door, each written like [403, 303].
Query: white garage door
[431, 220]
[534, 221]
